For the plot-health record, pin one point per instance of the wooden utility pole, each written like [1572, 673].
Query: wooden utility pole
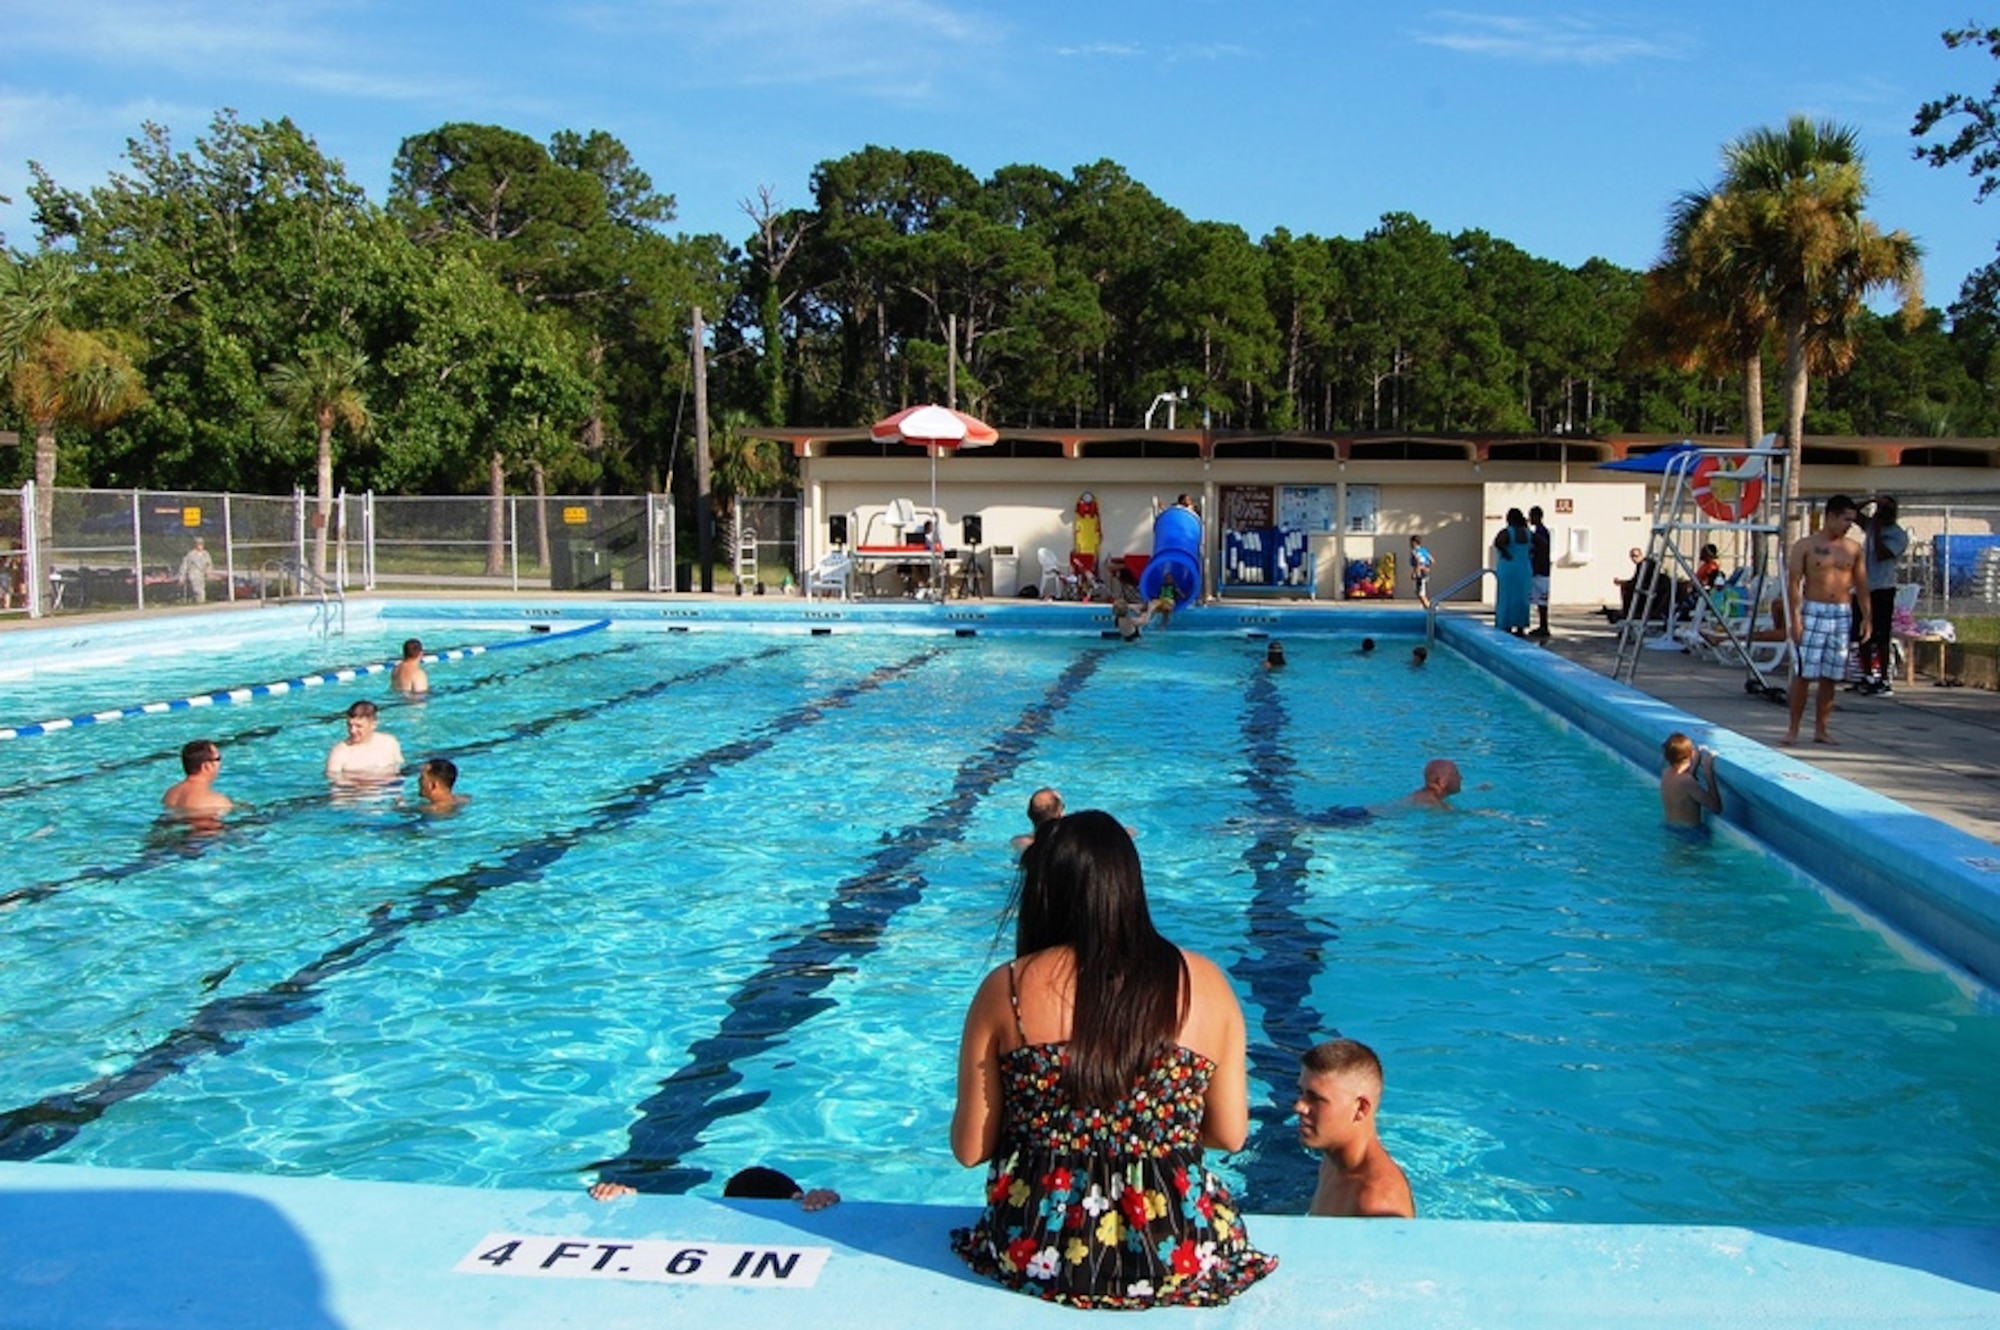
[704, 502]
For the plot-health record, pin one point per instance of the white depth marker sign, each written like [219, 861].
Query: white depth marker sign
[655, 1260]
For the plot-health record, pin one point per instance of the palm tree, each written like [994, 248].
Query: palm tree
[1808, 254]
[1702, 305]
[323, 387]
[57, 375]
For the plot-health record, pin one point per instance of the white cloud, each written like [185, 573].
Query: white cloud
[1548, 39]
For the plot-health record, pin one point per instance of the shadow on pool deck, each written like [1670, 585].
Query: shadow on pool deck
[84, 1247]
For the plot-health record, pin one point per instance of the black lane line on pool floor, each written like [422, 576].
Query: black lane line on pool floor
[254, 732]
[176, 841]
[787, 991]
[219, 1027]
[1285, 951]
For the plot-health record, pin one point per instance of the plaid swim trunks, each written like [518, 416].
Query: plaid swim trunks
[1824, 644]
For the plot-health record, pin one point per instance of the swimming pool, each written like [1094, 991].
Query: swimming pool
[720, 899]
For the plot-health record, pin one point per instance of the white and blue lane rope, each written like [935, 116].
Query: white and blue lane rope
[230, 696]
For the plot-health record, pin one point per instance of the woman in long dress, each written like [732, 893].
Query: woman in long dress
[1094, 1070]
[1514, 574]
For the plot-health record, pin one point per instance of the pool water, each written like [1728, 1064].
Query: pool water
[720, 899]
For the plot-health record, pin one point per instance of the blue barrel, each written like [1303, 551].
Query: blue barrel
[1176, 550]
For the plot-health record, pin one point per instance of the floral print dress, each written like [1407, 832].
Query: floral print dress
[1109, 1207]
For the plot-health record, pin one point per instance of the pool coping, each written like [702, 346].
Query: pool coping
[91, 1246]
[96, 1247]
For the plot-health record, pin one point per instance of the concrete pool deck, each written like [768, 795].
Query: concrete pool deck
[103, 1247]
[94, 1247]
[1935, 749]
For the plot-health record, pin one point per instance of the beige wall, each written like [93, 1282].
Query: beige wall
[1458, 506]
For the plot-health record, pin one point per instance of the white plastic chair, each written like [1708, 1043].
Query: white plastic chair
[1055, 574]
[901, 514]
[833, 573]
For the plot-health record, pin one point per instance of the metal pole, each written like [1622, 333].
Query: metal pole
[31, 533]
[704, 501]
[228, 548]
[138, 557]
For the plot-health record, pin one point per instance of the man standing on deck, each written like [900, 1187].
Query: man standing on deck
[1825, 575]
[1541, 550]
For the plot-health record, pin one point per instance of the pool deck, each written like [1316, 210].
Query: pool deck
[1935, 749]
[88, 1247]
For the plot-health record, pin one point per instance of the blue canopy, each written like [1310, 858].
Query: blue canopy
[1655, 461]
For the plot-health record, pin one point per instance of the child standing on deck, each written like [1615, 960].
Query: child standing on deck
[1682, 796]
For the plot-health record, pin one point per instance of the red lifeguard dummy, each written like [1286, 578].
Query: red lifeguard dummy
[1089, 537]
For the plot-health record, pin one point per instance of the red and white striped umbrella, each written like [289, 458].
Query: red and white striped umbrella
[933, 428]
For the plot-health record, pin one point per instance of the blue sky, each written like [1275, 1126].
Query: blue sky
[1565, 128]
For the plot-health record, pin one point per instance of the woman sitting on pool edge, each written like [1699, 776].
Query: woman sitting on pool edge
[1093, 1070]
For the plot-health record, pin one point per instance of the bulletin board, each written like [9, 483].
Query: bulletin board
[1307, 508]
[1246, 507]
[1364, 508]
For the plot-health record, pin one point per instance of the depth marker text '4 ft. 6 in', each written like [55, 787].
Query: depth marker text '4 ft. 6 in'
[656, 1260]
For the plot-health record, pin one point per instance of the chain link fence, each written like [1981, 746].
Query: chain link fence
[764, 542]
[131, 549]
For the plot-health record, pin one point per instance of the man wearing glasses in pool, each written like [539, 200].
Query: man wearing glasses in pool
[195, 796]
[366, 753]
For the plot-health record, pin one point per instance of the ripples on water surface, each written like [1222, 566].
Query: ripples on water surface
[765, 872]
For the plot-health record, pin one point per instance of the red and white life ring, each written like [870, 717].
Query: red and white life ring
[1726, 498]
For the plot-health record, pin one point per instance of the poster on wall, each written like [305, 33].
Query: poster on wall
[1306, 508]
[1364, 504]
[1246, 507]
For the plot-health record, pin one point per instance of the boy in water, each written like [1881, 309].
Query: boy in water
[1340, 1087]
[1682, 796]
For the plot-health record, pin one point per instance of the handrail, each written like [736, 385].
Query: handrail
[1431, 614]
[330, 616]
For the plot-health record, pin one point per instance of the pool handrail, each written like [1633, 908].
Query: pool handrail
[1431, 613]
[330, 615]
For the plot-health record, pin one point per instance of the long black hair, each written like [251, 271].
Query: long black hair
[1081, 888]
[1879, 521]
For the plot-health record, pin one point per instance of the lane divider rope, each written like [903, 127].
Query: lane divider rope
[230, 696]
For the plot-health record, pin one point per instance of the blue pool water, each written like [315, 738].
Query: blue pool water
[720, 899]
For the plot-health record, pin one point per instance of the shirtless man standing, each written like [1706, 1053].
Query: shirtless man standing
[365, 753]
[1340, 1087]
[409, 676]
[195, 796]
[1825, 572]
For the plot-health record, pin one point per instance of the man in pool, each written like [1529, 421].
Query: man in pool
[1825, 573]
[1441, 781]
[409, 675]
[437, 784]
[752, 1184]
[366, 753]
[195, 795]
[1340, 1088]
[1044, 805]
[1682, 796]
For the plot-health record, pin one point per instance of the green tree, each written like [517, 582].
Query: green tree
[1708, 305]
[57, 375]
[223, 261]
[322, 389]
[1814, 258]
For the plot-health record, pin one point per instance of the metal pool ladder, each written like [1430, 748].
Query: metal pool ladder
[329, 618]
[1431, 614]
